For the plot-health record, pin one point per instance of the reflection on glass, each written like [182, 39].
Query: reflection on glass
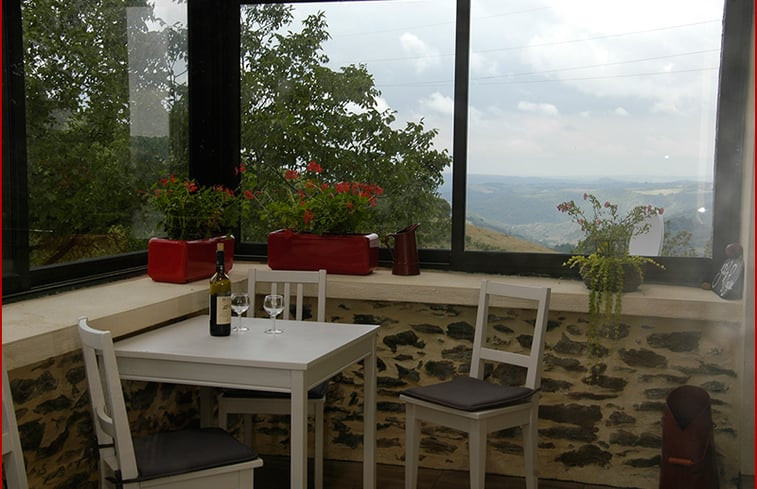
[100, 92]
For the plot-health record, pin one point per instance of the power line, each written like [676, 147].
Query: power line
[553, 43]
[423, 26]
[551, 80]
[561, 70]
[602, 65]
[607, 36]
[606, 77]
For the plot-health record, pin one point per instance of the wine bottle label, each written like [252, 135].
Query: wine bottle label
[223, 309]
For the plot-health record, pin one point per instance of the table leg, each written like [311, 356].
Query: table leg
[299, 432]
[206, 407]
[369, 419]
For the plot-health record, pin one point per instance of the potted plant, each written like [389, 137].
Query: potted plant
[194, 219]
[319, 223]
[604, 263]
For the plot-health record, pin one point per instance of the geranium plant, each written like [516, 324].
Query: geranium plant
[190, 211]
[305, 201]
[605, 265]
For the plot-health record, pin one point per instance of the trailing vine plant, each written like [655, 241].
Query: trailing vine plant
[607, 268]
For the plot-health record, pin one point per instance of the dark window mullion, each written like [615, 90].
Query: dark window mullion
[214, 113]
[460, 132]
[731, 125]
[15, 179]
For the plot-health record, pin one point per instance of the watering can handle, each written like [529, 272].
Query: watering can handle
[408, 229]
[388, 244]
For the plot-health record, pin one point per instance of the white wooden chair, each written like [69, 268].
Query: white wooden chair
[185, 459]
[290, 284]
[478, 407]
[14, 469]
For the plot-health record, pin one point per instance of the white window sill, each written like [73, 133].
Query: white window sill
[37, 329]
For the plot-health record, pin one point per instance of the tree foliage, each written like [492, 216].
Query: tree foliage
[85, 59]
[295, 109]
[81, 57]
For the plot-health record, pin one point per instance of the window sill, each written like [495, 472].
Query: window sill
[37, 329]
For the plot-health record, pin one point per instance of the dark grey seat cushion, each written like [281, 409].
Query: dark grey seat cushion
[470, 394]
[316, 392]
[179, 452]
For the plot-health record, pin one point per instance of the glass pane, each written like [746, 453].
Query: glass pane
[364, 89]
[106, 115]
[612, 99]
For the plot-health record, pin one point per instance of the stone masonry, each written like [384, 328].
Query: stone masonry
[604, 429]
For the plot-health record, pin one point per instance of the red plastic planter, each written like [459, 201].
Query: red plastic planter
[178, 262]
[349, 254]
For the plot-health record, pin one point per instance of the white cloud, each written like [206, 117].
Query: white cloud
[482, 66]
[381, 105]
[621, 112]
[436, 102]
[424, 55]
[611, 49]
[542, 108]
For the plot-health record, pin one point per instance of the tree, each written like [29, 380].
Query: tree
[84, 166]
[295, 109]
[85, 59]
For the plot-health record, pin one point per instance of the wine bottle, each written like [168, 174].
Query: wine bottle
[220, 298]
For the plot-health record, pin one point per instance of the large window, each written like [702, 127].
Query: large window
[105, 98]
[618, 100]
[367, 97]
[513, 107]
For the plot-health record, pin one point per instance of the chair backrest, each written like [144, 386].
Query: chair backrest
[521, 295]
[288, 283]
[14, 468]
[105, 393]
[649, 243]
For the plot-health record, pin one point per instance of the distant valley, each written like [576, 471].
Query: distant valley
[526, 207]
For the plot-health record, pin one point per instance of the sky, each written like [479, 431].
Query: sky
[558, 87]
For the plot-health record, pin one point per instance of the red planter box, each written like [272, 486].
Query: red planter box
[349, 254]
[178, 262]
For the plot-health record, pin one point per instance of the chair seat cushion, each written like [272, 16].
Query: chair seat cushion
[179, 452]
[470, 394]
[316, 392]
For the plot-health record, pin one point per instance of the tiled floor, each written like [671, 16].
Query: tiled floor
[349, 475]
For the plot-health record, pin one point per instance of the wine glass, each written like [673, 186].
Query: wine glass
[273, 305]
[240, 302]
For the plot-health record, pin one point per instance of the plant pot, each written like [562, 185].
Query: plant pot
[178, 261]
[631, 279]
[348, 254]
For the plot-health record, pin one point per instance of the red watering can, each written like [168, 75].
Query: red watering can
[404, 252]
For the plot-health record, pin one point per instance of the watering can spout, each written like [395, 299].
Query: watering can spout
[405, 251]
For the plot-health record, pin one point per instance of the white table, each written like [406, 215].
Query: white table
[306, 354]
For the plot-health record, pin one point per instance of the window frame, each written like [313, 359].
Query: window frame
[214, 129]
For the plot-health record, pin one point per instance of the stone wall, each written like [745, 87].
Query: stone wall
[605, 432]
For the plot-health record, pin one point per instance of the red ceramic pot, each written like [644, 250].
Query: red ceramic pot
[348, 254]
[177, 261]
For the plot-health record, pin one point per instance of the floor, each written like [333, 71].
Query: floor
[349, 475]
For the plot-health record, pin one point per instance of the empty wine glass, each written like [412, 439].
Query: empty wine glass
[273, 305]
[240, 302]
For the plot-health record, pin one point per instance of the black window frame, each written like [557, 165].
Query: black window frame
[214, 128]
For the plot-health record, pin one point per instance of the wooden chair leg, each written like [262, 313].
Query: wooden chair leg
[247, 430]
[223, 417]
[477, 456]
[206, 407]
[412, 447]
[530, 442]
